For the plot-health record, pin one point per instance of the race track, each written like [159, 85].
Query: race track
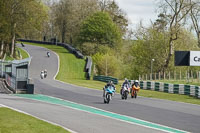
[168, 113]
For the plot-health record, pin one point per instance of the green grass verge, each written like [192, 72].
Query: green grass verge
[15, 122]
[23, 53]
[63, 75]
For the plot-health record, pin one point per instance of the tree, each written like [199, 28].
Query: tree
[17, 15]
[68, 16]
[117, 15]
[176, 11]
[195, 17]
[107, 64]
[150, 44]
[99, 28]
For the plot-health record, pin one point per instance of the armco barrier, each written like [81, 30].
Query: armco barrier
[157, 86]
[148, 85]
[176, 88]
[166, 87]
[187, 89]
[191, 90]
[141, 84]
[105, 79]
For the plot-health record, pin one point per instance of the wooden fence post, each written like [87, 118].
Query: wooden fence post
[164, 75]
[174, 75]
[146, 77]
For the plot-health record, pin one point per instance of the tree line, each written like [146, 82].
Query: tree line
[99, 28]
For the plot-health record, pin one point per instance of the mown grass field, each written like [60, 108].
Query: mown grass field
[71, 71]
[15, 122]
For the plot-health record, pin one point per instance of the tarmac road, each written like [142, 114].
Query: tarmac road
[169, 113]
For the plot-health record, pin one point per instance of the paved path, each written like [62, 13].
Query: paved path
[173, 114]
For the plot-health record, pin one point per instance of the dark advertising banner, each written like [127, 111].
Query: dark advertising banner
[182, 58]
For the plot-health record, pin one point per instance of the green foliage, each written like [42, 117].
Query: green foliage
[118, 16]
[107, 64]
[151, 45]
[89, 48]
[20, 19]
[100, 29]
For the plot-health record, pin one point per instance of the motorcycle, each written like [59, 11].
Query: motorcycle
[109, 93]
[134, 91]
[48, 54]
[42, 75]
[125, 92]
[45, 73]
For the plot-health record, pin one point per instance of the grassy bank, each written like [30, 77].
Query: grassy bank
[69, 74]
[24, 55]
[15, 122]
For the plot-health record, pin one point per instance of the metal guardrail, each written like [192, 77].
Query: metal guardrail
[191, 90]
[105, 79]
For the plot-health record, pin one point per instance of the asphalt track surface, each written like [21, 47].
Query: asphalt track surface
[173, 114]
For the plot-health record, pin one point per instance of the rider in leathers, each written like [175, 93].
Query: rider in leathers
[126, 83]
[110, 83]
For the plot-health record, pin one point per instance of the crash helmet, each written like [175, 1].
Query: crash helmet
[126, 80]
[111, 82]
[136, 81]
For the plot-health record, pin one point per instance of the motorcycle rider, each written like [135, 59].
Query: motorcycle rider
[126, 83]
[110, 83]
[136, 83]
[48, 54]
[42, 74]
[45, 73]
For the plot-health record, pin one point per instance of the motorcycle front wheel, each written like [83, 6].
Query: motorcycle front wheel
[108, 97]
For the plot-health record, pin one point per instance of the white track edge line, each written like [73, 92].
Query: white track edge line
[38, 118]
[109, 116]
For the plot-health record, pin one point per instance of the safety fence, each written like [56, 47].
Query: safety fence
[191, 90]
[105, 79]
[187, 75]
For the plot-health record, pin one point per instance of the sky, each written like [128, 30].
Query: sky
[137, 10]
